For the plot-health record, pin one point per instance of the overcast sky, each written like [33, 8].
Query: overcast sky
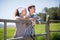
[7, 7]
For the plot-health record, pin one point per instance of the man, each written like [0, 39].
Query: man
[31, 9]
[32, 16]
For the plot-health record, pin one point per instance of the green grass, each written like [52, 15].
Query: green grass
[39, 29]
[1, 33]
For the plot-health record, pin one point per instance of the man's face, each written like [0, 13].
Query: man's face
[32, 10]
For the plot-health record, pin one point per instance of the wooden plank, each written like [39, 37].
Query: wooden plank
[40, 34]
[5, 25]
[54, 20]
[16, 38]
[22, 21]
[54, 30]
[21, 38]
[47, 28]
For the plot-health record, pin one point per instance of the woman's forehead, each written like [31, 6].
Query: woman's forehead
[20, 9]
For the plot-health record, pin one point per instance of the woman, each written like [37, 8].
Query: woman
[20, 28]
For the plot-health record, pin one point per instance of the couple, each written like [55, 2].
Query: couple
[21, 29]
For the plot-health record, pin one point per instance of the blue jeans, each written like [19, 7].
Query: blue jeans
[29, 31]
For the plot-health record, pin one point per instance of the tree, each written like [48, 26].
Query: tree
[54, 12]
[43, 16]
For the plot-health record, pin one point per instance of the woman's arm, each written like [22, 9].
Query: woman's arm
[19, 18]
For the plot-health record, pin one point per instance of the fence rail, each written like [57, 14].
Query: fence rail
[5, 24]
[54, 20]
[22, 21]
[55, 31]
[47, 27]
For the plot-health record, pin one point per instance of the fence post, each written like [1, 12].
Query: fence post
[47, 28]
[5, 25]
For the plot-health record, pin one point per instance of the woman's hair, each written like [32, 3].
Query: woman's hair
[17, 13]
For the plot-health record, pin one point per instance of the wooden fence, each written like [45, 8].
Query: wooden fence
[47, 27]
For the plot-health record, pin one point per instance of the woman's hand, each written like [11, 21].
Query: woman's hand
[20, 19]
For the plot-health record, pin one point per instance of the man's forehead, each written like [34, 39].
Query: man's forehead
[31, 6]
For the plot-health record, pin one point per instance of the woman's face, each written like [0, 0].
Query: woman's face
[24, 12]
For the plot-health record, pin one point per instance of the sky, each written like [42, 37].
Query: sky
[8, 7]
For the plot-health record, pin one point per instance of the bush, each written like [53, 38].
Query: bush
[55, 36]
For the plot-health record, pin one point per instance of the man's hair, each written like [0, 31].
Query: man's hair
[30, 7]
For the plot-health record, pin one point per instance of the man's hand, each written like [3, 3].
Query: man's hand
[35, 18]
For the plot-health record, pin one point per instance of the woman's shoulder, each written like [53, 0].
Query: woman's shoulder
[17, 16]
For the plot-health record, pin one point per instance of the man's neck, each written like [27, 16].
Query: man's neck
[31, 13]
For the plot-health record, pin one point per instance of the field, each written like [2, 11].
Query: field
[39, 29]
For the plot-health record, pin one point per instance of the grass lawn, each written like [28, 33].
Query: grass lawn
[39, 29]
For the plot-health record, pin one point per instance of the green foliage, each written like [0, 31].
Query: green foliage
[43, 16]
[54, 12]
